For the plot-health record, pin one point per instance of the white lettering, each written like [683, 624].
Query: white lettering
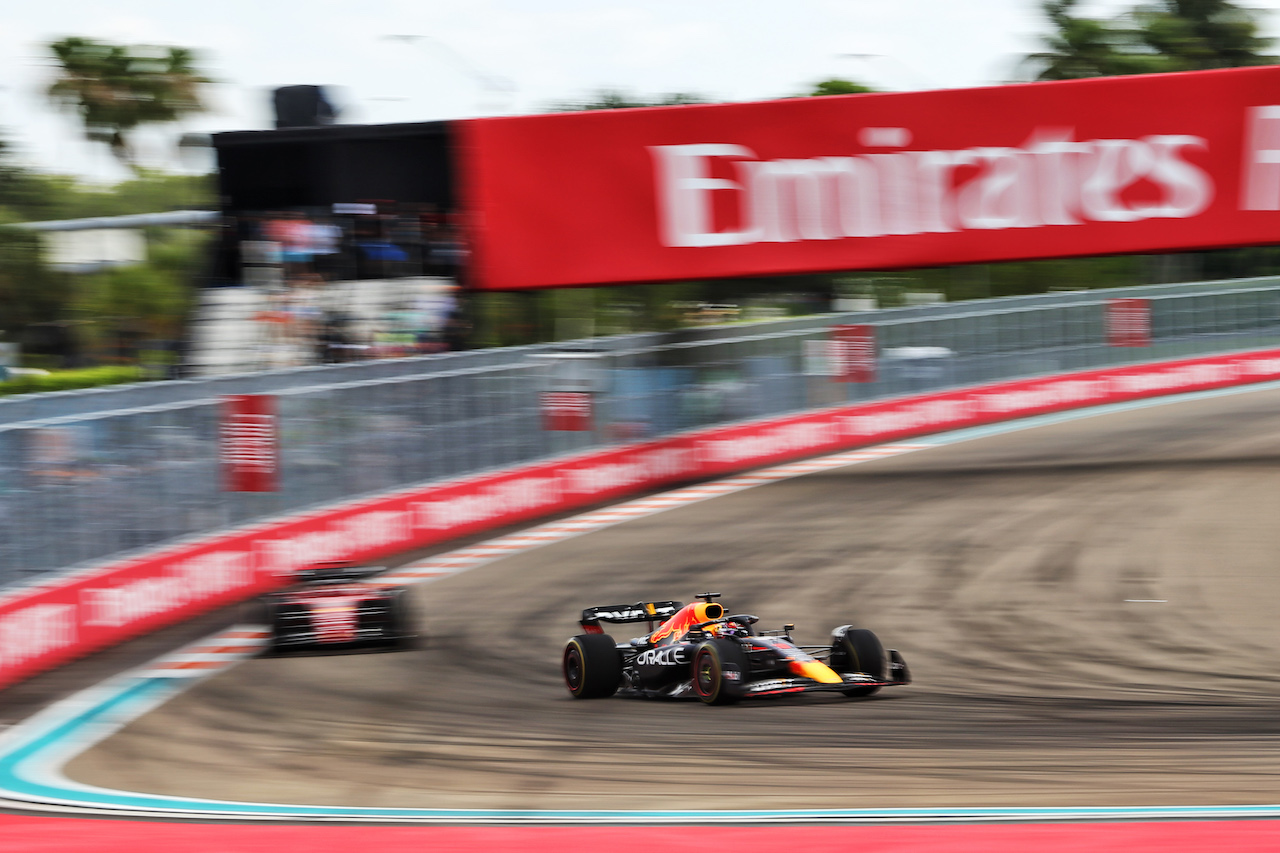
[1189, 190]
[1000, 197]
[685, 210]
[794, 200]
[35, 631]
[379, 529]
[1115, 164]
[196, 579]
[898, 203]
[666, 656]
[858, 189]
[1261, 173]
[1057, 175]
[929, 414]
[1051, 180]
[605, 477]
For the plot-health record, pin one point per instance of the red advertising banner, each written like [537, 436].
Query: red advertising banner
[1129, 322]
[63, 618]
[1148, 163]
[566, 411]
[855, 352]
[250, 446]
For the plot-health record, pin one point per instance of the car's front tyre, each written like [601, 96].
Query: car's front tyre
[720, 672]
[592, 666]
[858, 650]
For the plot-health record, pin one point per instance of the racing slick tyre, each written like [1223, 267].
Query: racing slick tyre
[592, 666]
[720, 670]
[284, 618]
[858, 650]
[402, 629]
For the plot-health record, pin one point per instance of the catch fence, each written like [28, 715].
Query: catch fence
[89, 475]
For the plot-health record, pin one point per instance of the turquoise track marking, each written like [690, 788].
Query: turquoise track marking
[20, 779]
[33, 752]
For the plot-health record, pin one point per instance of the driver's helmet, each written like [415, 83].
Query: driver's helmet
[730, 628]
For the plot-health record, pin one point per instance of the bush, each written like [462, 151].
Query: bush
[69, 380]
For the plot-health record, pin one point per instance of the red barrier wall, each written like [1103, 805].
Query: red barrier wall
[71, 615]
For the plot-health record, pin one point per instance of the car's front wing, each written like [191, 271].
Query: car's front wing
[779, 686]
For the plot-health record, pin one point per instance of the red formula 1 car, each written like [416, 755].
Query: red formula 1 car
[337, 604]
[699, 651]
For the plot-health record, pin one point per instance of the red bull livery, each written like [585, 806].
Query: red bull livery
[697, 651]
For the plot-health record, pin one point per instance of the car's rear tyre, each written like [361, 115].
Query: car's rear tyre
[402, 624]
[859, 650]
[592, 666]
[720, 672]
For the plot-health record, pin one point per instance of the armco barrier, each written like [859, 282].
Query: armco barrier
[64, 617]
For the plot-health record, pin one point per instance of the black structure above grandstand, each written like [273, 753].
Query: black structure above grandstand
[340, 201]
[313, 167]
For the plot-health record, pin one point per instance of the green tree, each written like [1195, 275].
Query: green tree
[59, 318]
[837, 86]
[27, 196]
[1163, 35]
[1080, 47]
[148, 191]
[616, 99]
[116, 88]
[1194, 35]
[35, 302]
[17, 191]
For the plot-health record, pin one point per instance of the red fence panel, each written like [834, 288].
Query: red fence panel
[855, 352]
[567, 411]
[250, 445]
[1129, 322]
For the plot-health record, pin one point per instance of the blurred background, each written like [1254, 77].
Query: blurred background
[149, 251]
[107, 112]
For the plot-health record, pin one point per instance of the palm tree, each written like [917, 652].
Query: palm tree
[1200, 34]
[1086, 47]
[1161, 35]
[116, 88]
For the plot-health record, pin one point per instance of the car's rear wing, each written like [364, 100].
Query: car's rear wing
[335, 571]
[645, 611]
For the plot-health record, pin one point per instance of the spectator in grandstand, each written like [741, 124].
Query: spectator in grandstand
[326, 248]
[337, 342]
[303, 300]
[404, 231]
[377, 254]
[447, 252]
[293, 231]
[275, 332]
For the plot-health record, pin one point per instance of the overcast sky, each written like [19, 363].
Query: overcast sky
[505, 57]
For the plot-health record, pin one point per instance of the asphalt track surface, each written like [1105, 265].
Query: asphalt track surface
[1088, 609]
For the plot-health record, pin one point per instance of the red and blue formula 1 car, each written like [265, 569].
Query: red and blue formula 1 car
[697, 650]
[339, 604]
